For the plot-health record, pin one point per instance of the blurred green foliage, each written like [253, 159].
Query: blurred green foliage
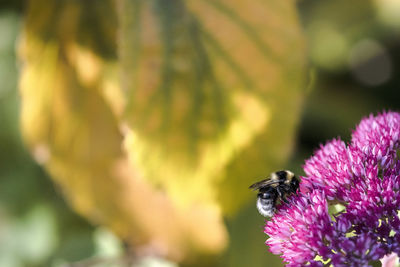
[37, 228]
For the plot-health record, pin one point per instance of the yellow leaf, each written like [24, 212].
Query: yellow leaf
[209, 98]
[71, 103]
[214, 90]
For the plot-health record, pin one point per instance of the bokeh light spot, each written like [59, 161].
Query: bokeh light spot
[331, 49]
[389, 12]
[370, 63]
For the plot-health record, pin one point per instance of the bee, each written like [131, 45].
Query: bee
[276, 187]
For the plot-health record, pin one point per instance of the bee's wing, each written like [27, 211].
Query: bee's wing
[263, 183]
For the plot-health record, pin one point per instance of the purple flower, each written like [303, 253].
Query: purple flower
[364, 178]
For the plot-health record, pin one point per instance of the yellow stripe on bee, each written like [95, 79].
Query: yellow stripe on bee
[289, 177]
[274, 177]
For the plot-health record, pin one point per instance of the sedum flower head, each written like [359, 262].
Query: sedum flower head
[364, 178]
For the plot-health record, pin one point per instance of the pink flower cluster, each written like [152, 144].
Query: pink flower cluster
[364, 177]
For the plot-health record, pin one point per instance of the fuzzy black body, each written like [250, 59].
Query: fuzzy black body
[278, 186]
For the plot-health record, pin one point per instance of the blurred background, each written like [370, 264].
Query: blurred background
[335, 63]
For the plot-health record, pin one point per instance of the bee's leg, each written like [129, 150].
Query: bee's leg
[278, 189]
[282, 195]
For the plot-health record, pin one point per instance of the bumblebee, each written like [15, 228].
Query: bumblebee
[276, 187]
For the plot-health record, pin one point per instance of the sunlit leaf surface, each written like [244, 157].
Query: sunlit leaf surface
[209, 98]
[214, 90]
